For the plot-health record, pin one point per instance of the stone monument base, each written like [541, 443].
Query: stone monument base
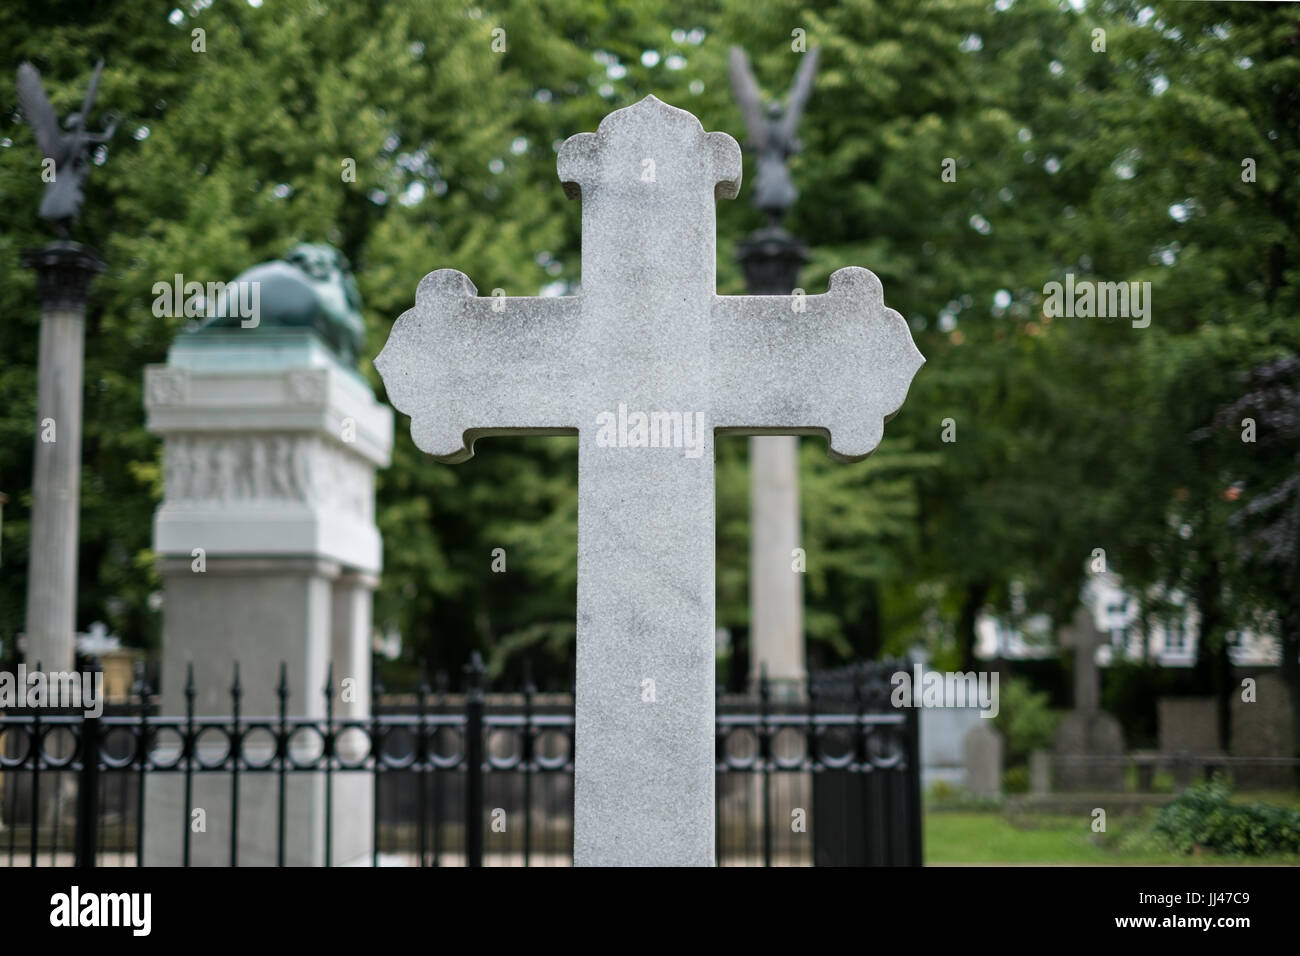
[304, 822]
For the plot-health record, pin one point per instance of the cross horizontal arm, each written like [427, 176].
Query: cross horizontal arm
[837, 364]
[464, 367]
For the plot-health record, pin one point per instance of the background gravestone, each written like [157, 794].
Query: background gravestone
[942, 731]
[1040, 772]
[1189, 729]
[1089, 742]
[983, 749]
[1188, 725]
[1262, 728]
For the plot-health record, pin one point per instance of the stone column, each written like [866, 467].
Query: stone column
[771, 258]
[269, 553]
[350, 622]
[64, 271]
[776, 589]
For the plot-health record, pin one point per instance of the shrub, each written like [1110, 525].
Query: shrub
[1015, 779]
[1203, 817]
[1024, 718]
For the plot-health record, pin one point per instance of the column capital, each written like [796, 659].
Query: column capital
[64, 271]
[771, 259]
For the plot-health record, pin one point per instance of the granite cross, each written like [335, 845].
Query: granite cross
[646, 364]
[1082, 635]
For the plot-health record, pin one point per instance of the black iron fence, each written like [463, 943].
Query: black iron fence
[820, 776]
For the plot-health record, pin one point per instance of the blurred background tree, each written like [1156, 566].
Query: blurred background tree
[1115, 156]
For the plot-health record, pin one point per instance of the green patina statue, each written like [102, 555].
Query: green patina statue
[311, 288]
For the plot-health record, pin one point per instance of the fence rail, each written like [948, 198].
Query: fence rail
[443, 771]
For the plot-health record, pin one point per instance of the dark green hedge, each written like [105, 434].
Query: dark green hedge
[1202, 816]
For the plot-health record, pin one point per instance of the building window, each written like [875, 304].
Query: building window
[1175, 637]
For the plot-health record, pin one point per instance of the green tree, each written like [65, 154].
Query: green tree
[1115, 164]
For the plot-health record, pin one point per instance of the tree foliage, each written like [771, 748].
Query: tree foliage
[1121, 163]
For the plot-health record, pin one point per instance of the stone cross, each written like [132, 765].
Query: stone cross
[645, 366]
[1083, 636]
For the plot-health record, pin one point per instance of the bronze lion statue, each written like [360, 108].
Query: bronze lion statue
[312, 287]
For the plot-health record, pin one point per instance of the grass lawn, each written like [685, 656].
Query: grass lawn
[988, 836]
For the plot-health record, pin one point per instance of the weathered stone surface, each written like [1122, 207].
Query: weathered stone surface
[1040, 772]
[1262, 728]
[1089, 752]
[983, 748]
[1188, 725]
[648, 334]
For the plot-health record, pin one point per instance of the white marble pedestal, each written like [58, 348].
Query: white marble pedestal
[269, 553]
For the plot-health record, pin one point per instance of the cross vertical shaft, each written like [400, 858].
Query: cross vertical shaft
[644, 774]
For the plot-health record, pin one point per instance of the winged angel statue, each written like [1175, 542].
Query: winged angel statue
[772, 130]
[68, 146]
